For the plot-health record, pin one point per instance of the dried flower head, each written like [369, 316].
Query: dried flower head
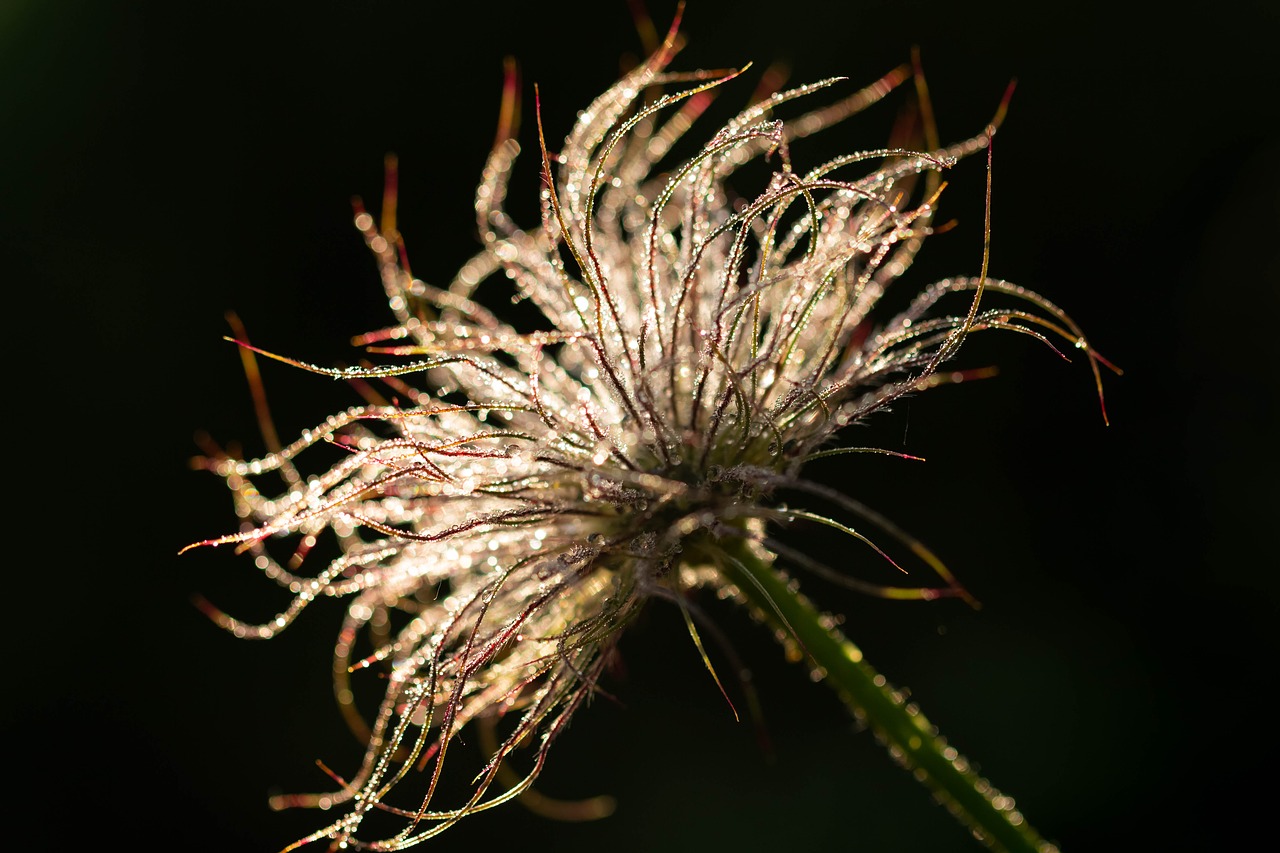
[502, 524]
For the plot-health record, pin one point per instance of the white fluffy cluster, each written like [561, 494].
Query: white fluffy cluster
[533, 490]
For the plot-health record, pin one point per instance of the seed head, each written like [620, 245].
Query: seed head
[531, 491]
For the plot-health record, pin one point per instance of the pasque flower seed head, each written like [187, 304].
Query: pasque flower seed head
[531, 491]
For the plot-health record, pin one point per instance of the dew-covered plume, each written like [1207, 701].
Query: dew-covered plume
[528, 492]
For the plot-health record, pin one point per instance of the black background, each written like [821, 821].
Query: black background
[163, 163]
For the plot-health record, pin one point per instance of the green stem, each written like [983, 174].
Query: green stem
[910, 738]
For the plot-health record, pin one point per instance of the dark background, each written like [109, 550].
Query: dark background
[163, 163]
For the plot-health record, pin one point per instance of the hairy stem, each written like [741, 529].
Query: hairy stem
[908, 735]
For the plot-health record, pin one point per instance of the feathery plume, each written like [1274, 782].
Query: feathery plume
[532, 491]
